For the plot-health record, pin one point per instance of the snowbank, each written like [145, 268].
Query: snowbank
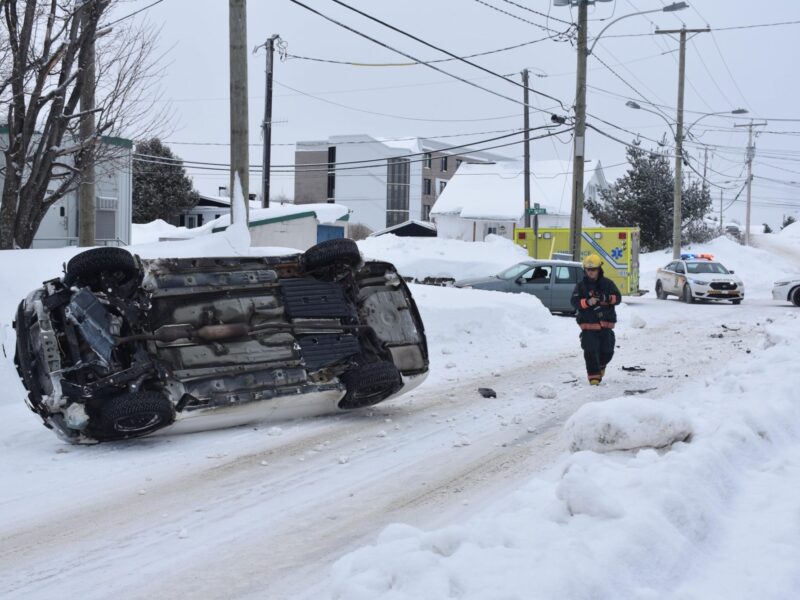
[626, 424]
[713, 518]
[437, 257]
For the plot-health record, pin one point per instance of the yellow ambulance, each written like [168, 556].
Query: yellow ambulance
[617, 246]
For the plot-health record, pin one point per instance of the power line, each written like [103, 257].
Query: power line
[391, 116]
[518, 18]
[435, 68]
[367, 163]
[300, 169]
[411, 64]
[454, 56]
[136, 12]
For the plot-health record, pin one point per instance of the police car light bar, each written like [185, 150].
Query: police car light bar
[702, 256]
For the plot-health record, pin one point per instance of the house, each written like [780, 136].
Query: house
[410, 228]
[113, 200]
[282, 225]
[490, 199]
[401, 183]
[207, 209]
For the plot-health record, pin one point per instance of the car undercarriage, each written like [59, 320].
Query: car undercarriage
[121, 347]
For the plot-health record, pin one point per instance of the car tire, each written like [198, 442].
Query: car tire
[796, 296]
[687, 294]
[130, 415]
[369, 384]
[737, 301]
[332, 253]
[87, 267]
[660, 293]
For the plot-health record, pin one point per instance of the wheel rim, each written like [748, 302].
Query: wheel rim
[134, 423]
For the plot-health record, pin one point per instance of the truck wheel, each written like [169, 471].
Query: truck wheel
[369, 384]
[130, 415]
[687, 294]
[88, 268]
[332, 252]
[796, 297]
[660, 293]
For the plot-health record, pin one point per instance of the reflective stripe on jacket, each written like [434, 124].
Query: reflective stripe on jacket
[602, 315]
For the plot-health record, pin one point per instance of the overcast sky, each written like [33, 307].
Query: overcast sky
[740, 67]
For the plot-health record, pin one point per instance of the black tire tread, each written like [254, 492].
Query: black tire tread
[369, 384]
[87, 266]
[795, 296]
[341, 251]
[103, 422]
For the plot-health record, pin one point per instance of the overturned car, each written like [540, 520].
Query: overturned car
[120, 347]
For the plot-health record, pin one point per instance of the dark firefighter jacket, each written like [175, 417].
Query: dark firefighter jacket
[602, 315]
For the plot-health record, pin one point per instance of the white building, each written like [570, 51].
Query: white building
[401, 183]
[490, 199]
[113, 201]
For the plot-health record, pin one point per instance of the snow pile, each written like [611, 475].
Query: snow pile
[475, 331]
[437, 257]
[714, 518]
[626, 423]
[147, 233]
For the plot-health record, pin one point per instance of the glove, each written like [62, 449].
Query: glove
[592, 301]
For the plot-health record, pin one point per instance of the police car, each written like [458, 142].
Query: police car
[698, 277]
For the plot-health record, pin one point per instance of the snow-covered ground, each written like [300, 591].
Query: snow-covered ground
[676, 479]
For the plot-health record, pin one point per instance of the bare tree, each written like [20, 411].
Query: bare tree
[41, 53]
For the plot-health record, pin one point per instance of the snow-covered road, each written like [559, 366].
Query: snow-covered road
[266, 510]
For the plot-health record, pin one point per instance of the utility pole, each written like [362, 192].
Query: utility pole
[576, 217]
[721, 226]
[240, 159]
[705, 165]
[751, 153]
[86, 192]
[266, 126]
[677, 218]
[527, 160]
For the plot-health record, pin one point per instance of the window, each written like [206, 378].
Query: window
[679, 268]
[331, 173]
[539, 274]
[491, 231]
[443, 164]
[565, 275]
[442, 185]
[428, 160]
[426, 186]
[398, 178]
[426, 212]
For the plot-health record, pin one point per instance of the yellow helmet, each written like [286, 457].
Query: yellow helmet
[592, 262]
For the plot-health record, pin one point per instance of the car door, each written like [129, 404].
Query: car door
[679, 278]
[564, 281]
[668, 278]
[538, 282]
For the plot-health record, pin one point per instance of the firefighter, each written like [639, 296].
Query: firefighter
[594, 299]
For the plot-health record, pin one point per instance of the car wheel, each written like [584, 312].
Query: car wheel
[737, 301]
[796, 297]
[660, 293]
[88, 268]
[332, 252]
[687, 294]
[130, 415]
[369, 384]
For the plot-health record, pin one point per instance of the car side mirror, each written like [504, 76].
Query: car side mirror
[732, 272]
[519, 280]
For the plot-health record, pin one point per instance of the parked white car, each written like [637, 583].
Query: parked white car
[787, 289]
[698, 277]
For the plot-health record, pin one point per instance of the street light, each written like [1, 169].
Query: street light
[576, 218]
[678, 180]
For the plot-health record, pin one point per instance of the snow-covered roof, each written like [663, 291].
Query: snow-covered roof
[425, 224]
[479, 191]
